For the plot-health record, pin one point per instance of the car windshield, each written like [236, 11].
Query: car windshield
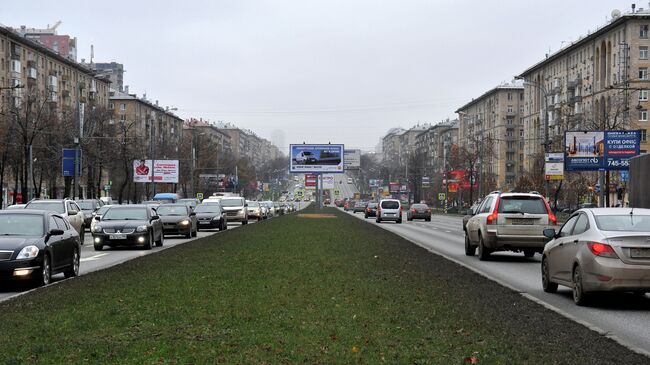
[102, 210]
[56, 207]
[21, 225]
[522, 204]
[390, 204]
[213, 208]
[232, 202]
[130, 214]
[627, 222]
[307, 153]
[190, 202]
[372, 205]
[87, 204]
[253, 204]
[419, 206]
[172, 210]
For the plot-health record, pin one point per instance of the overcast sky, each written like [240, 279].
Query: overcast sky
[340, 71]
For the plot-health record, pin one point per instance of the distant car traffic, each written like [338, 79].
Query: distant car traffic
[88, 207]
[600, 249]
[389, 210]
[509, 222]
[211, 216]
[235, 208]
[371, 210]
[66, 208]
[128, 225]
[359, 207]
[255, 210]
[36, 244]
[178, 219]
[419, 211]
[192, 202]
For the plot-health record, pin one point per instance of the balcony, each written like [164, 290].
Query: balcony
[511, 113]
[31, 73]
[510, 138]
[511, 126]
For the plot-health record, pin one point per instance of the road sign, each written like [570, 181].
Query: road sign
[69, 157]
[107, 187]
[337, 192]
[554, 166]
[442, 196]
[425, 181]
[199, 196]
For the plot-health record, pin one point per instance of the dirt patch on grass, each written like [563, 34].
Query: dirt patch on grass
[317, 216]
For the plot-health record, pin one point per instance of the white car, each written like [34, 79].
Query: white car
[389, 210]
[305, 157]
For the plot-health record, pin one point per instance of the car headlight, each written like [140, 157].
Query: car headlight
[184, 223]
[216, 218]
[141, 229]
[28, 252]
[97, 229]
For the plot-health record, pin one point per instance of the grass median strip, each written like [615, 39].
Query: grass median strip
[287, 291]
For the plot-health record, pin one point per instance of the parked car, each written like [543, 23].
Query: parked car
[255, 210]
[235, 208]
[419, 211]
[389, 210]
[211, 216]
[88, 207]
[128, 225]
[359, 207]
[66, 208]
[192, 202]
[509, 222]
[371, 210]
[177, 219]
[36, 244]
[599, 249]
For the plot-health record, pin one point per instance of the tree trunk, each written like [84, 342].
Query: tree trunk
[557, 193]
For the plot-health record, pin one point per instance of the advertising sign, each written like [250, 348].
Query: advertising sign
[598, 150]
[69, 160]
[425, 181]
[554, 166]
[164, 171]
[305, 158]
[620, 146]
[328, 181]
[352, 159]
[310, 181]
[393, 187]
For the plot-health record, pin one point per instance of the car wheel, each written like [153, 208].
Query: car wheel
[378, 220]
[469, 249]
[483, 252]
[196, 232]
[547, 285]
[82, 234]
[189, 234]
[46, 272]
[74, 269]
[98, 247]
[428, 219]
[148, 244]
[244, 222]
[529, 253]
[399, 221]
[161, 241]
[579, 295]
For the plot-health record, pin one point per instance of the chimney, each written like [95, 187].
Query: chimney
[156, 102]
[126, 89]
[633, 6]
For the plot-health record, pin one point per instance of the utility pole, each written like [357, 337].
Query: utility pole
[77, 156]
[193, 162]
[152, 151]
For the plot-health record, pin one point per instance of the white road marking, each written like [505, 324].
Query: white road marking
[93, 258]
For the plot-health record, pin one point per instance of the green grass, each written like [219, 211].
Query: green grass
[291, 290]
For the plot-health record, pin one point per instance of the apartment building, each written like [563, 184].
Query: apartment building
[210, 131]
[158, 130]
[435, 144]
[246, 144]
[491, 126]
[391, 145]
[598, 82]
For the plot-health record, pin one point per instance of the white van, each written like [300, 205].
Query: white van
[389, 210]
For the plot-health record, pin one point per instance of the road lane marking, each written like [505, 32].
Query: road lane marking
[93, 258]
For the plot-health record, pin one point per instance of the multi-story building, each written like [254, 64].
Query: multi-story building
[210, 131]
[246, 144]
[598, 82]
[491, 126]
[63, 45]
[113, 71]
[434, 145]
[391, 145]
[159, 131]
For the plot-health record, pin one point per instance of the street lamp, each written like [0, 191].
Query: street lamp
[547, 143]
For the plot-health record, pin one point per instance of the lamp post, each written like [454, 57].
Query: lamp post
[547, 143]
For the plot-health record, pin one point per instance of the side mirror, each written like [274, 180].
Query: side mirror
[56, 232]
[98, 218]
[549, 233]
[246, 205]
[73, 213]
[154, 217]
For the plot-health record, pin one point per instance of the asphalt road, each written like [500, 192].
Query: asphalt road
[623, 317]
[347, 190]
[92, 260]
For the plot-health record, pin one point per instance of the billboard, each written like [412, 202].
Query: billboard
[164, 171]
[600, 150]
[328, 181]
[68, 161]
[311, 180]
[554, 166]
[318, 158]
[352, 159]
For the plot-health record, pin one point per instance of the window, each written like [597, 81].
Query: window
[123, 106]
[643, 53]
[644, 135]
[510, 109]
[643, 31]
[61, 223]
[568, 226]
[643, 73]
[111, 106]
[510, 94]
[581, 225]
[487, 204]
[643, 115]
[643, 95]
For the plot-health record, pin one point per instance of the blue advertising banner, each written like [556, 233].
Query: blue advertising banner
[600, 150]
[68, 161]
[315, 158]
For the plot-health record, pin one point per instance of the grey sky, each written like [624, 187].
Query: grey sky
[339, 71]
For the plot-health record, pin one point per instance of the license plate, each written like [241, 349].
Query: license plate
[204, 222]
[640, 252]
[522, 221]
[117, 236]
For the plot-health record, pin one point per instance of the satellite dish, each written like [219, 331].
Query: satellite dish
[616, 14]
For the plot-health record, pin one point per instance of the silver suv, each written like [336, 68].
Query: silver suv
[509, 222]
[389, 210]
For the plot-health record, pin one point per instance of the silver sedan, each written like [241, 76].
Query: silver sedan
[600, 249]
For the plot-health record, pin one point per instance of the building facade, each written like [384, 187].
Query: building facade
[491, 126]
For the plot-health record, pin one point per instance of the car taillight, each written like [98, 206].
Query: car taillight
[551, 216]
[602, 249]
[428, 210]
[412, 210]
[492, 218]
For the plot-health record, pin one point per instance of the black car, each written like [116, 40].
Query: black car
[128, 225]
[178, 219]
[88, 207]
[211, 216]
[36, 244]
[371, 210]
[192, 202]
